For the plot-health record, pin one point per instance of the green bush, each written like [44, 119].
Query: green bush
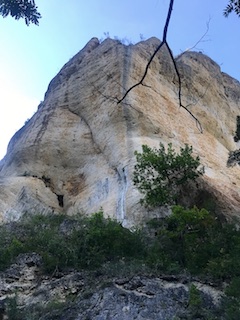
[195, 241]
[87, 243]
[104, 240]
[195, 303]
[160, 174]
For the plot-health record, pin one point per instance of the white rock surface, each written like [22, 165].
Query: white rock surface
[77, 152]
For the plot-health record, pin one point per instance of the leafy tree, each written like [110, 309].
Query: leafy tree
[192, 234]
[18, 9]
[233, 6]
[160, 174]
[195, 241]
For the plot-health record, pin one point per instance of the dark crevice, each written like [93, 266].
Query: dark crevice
[60, 200]
[48, 183]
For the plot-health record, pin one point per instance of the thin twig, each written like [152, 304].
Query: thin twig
[200, 40]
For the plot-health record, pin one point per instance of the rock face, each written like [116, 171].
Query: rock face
[81, 296]
[77, 152]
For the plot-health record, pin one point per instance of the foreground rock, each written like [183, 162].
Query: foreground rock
[95, 296]
[77, 152]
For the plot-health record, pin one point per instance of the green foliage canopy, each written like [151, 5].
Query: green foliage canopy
[233, 6]
[18, 9]
[160, 173]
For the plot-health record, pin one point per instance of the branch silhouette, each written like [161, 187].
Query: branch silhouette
[164, 42]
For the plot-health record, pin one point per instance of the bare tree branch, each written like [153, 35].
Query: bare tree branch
[155, 52]
[200, 40]
[164, 42]
[180, 90]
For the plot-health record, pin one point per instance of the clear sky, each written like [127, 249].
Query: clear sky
[31, 56]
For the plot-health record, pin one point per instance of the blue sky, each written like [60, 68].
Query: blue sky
[31, 56]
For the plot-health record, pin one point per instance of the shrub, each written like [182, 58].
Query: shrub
[86, 244]
[104, 240]
[182, 240]
[195, 241]
[195, 303]
[160, 174]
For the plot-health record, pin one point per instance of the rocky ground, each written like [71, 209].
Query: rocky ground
[25, 294]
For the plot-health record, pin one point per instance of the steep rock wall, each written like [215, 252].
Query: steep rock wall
[76, 154]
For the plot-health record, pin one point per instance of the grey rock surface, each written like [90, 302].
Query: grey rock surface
[93, 296]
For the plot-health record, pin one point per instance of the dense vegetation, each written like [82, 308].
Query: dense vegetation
[63, 242]
[189, 242]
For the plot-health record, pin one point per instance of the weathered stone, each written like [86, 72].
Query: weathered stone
[88, 296]
[77, 152]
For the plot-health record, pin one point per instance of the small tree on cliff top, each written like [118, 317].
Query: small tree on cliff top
[160, 174]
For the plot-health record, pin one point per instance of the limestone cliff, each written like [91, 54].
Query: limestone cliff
[77, 152]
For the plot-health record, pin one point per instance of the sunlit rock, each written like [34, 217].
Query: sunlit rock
[76, 154]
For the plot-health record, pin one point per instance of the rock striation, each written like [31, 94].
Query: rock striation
[76, 154]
